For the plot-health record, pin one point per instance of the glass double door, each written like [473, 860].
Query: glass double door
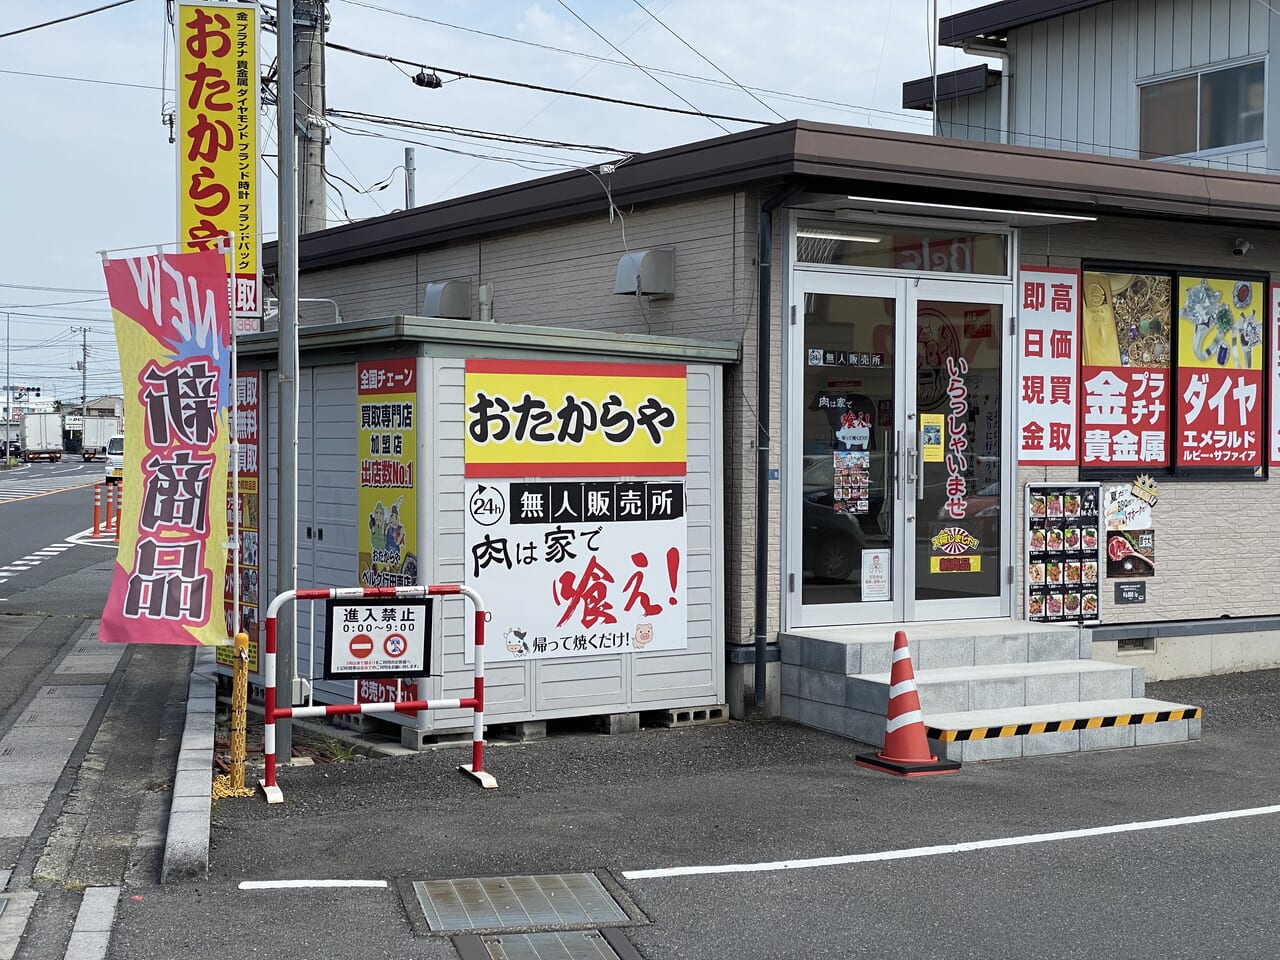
[899, 496]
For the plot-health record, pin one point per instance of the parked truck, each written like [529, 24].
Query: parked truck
[95, 434]
[41, 436]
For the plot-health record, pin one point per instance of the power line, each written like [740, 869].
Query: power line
[24, 286]
[74, 16]
[477, 134]
[637, 66]
[463, 75]
[58, 76]
[839, 105]
[713, 66]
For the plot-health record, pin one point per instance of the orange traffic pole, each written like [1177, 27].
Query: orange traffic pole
[97, 507]
[119, 499]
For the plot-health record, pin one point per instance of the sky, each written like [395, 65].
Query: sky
[87, 165]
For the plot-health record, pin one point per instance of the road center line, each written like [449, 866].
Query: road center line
[298, 884]
[942, 849]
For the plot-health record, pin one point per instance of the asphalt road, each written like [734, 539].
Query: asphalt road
[751, 794]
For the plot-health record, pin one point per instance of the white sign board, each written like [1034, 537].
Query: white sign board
[378, 638]
[1048, 365]
[875, 575]
[578, 568]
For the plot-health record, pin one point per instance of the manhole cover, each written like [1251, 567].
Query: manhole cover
[578, 945]
[562, 901]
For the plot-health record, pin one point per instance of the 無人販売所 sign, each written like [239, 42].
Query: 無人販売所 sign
[378, 638]
[578, 568]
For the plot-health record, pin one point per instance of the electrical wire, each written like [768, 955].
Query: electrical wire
[25, 286]
[106, 83]
[842, 106]
[464, 75]
[713, 66]
[477, 134]
[623, 53]
[74, 16]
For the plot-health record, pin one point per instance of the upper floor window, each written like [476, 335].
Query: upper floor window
[1209, 110]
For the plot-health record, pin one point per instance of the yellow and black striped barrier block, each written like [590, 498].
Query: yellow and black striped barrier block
[1056, 726]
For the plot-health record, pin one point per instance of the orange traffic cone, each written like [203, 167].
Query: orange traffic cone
[906, 748]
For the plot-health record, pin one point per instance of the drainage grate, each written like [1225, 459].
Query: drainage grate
[579, 945]
[561, 901]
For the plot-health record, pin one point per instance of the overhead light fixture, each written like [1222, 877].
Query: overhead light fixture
[430, 80]
[882, 202]
[837, 235]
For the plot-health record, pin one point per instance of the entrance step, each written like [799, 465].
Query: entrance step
[1043, 729]
[989, 689]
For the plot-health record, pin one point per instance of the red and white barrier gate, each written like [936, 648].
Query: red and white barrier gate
[475, 702]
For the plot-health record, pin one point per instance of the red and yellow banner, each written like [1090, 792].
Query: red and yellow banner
[172, 325]
[217, 134]
[529, 418]
[387, 500]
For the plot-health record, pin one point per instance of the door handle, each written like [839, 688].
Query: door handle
[897, 472]
[920, 465]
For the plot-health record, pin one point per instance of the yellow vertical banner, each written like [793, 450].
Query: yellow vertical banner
[217, 134]
[387, 500]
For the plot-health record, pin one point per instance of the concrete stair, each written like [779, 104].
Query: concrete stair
[989, 689]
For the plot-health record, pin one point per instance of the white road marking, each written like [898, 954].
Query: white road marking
[942, 849]
[301, 884]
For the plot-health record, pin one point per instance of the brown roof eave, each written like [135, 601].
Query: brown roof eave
[1070, 182]
[756, 156]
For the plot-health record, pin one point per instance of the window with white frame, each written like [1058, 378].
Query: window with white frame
[1204, 111]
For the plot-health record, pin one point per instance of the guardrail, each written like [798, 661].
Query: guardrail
[272, 713]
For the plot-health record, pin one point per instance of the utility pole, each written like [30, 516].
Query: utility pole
[308, 43]
[84, 372]
[8, 386]
[287, 364]
[409, 170]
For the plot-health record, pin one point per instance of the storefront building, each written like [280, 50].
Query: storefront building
[923, 329]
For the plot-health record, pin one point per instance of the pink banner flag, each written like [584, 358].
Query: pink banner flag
[173, 329]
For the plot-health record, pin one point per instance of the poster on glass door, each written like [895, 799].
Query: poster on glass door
[1064, 552]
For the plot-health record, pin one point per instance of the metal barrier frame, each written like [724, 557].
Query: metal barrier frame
[475, 702]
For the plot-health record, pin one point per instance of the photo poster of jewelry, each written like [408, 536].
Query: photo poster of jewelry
[1064, 552]
[1131, 538]
[1221, 357]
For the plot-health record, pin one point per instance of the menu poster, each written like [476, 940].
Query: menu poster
[1274, 347]
[1064, 556]
[1048, 358]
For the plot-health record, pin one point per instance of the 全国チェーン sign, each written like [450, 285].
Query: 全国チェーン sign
[387, 447]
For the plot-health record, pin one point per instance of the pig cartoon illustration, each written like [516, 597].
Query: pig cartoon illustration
[644, 633]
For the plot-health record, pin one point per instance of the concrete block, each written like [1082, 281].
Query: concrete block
[950, 696]
[1010, 648]
[936, 654]
[789, 647]
[1148, 734]
[193, 783]
[824, 716]
[200, 806]
[790, 708]
[1107, 738]
[999, 748]
[791, 679]
[87, 946]
[1055, 688]
[196, 759]
[613, 723]
[866, 727]
[877, 658]
[1193, 729]
[1139, 682]
[1044, 744]
[1107, 685]
[1053, 646]
[997, 692]
[822, 686]
[833, 656]
[97, 910]
[867, 695]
